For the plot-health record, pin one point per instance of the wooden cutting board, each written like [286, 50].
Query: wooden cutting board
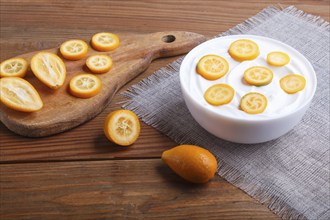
[61, 111]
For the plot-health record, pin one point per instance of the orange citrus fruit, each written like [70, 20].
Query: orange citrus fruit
[13, 67]
[122, 127]
[19, 94]
[74, 49]
[99, 63]
[85, 85]
[258, 76]
[219, 94]
[293, 83]
[105, 41]
[253, 103]
[212, 67]
[193, 163]
[278, 58]
[49, 69]
[244, 49]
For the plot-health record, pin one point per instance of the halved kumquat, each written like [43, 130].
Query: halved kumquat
[19, 94]
[49, 69]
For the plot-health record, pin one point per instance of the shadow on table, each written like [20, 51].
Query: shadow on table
[103, 145]
[174, 180]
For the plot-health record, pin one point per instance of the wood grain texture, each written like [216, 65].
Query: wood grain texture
[104, 176]
[131, 189]
[25, 28]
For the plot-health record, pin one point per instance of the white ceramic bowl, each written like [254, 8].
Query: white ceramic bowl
[228, 122]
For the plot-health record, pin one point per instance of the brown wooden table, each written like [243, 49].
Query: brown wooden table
[79, 174]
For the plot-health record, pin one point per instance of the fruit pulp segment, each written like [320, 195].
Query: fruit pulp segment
[99, 61]
[213, 65]
[124, 127]
[105, 39]
[13, 67]
[74, 47]
[85, 83]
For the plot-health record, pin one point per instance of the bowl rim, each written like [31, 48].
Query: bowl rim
[247, 36]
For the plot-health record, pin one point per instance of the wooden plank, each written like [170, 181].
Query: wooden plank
[122, 189]
[206, 16]
[32, 25]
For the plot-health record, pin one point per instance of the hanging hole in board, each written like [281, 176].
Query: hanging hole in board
[168, 38]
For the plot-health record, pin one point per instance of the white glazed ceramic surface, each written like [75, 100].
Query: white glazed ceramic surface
[228, 122]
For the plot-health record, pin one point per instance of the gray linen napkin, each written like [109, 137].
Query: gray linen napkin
[290, 174]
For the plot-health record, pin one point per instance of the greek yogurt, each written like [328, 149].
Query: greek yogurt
[279, 102]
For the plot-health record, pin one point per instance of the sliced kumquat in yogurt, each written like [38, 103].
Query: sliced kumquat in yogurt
[212, 67]
[258, 75]
[253, 103]
[243, 49]
[278, 58]
[219, 94]
[293, 83]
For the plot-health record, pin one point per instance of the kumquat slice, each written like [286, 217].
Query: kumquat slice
[253, 103]
[122, 127]
[258, 76]
[74, 49]
[85, 85]
[212, 67]
[13, 67]
[293, 83]
[219, 94]
[99, 63]
[278, 58]
[105, 41]
[243, 49]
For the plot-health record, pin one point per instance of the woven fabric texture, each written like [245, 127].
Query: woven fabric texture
[290, 174]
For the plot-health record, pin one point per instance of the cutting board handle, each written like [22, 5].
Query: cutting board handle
[173, 43]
